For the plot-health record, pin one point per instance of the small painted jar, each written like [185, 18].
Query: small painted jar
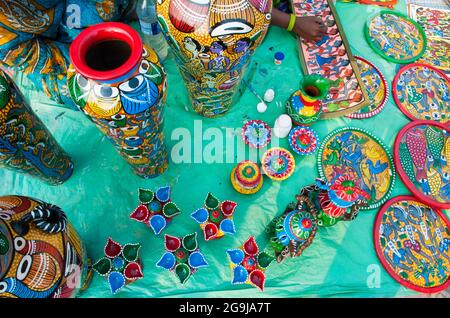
[25, 143]
[120, 85]
[41, 254]
[213, 41]
[305, 105]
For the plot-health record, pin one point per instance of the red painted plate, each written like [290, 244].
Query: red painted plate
[412, 242]
[422, 158]
[422, 92]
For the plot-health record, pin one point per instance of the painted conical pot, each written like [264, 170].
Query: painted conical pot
[41, 254]
[25, 143]
[120, 84]
[213, 41]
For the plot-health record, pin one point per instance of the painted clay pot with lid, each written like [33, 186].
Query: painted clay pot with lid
[120, 84]
[41, 254]
[213, 41]
[26, 145]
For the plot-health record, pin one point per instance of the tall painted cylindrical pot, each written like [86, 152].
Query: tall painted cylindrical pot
[120, 84]
[213, 41]
[25, 143]
[41, 255]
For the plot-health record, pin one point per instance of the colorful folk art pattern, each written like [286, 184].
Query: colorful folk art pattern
[25, 143]
[437, 55]
[361, 157]
[121, 265]
[331, 57]
[213, 41]
[412, 242]
[395, 37]
[422, 92]
[215, 217]
[376, 88]
[129, 112]
[182, 256]
[39, 258]
[25, 45]
[155, 209]
[435, 22]
[422, 152]
[36, 34]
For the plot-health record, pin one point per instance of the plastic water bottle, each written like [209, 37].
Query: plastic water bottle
[152, 36]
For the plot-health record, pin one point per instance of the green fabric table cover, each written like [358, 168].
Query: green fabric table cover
[102, 192]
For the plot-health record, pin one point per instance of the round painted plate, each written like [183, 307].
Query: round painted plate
[278, 163]
[422, 157]
[376, 88]
[356, 153]
[412, 242]
[422, 92]
[395, 37]
[256, 133]
[303, 140]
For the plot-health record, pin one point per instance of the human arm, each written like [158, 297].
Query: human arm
[308, 28]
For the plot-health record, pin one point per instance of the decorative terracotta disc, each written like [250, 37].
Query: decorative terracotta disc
[303, 140]
[278, 163]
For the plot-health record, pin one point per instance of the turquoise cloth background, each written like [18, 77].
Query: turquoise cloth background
[102, 192]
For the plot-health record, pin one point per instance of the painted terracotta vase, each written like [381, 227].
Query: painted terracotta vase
[213, 41]
[120, 84]
[41, 255]
[25, 143]
[305, 105]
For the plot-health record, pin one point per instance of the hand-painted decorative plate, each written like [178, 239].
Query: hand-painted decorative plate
[422, 157]
[395, 37]
[422, 92]
[356, 153]
[376, 88]
[256, 133]
[278, 163]
[412, 242]
[303, 140]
